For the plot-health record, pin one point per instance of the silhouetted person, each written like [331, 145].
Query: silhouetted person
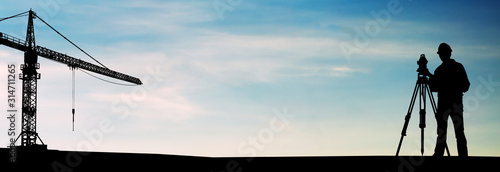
[450, 82]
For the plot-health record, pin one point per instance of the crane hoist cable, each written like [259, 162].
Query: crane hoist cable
[73, 68]
[73, 96]
[102, 79]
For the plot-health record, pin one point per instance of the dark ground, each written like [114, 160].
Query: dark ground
[53, 160]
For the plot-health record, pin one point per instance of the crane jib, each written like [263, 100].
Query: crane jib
[20, 44]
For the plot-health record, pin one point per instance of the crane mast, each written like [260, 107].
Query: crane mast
[29, 76]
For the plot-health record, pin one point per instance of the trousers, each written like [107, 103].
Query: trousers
[450, 107]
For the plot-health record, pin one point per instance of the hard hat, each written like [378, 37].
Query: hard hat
[444, 47]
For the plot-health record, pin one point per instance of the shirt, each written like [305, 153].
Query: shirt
[450, 79]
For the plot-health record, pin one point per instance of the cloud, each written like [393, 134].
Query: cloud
[342, 69]
[240, 58]
[165, 102]
[326, 71]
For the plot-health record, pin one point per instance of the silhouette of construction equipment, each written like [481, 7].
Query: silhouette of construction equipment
[29, 75]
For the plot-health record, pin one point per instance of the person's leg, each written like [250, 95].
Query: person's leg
[458, 122]
[442, 125]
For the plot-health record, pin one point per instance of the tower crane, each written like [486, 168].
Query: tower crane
[29, 75]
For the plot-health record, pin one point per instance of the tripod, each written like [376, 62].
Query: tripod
[422, 89]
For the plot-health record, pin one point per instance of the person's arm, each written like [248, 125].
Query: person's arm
[464, 83]
[433, 85]
[433, 81]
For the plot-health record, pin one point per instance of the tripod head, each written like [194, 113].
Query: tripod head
[422, 65]
[422, 70]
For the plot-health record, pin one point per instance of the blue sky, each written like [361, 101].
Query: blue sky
[257, 78]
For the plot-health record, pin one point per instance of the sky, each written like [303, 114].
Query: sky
[255, 78]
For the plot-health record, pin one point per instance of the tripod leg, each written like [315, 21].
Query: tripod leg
[408, 116]
[422, 106]
[422, 141]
